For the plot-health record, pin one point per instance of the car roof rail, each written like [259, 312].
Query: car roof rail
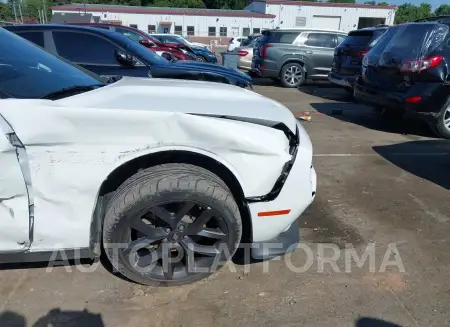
[433, 19]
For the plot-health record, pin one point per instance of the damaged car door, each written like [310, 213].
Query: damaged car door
[16, 205]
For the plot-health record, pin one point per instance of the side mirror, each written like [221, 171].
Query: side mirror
[147, 43]
[125, 59]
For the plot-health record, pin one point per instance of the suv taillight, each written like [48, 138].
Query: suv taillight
[417, 65]
[242, 53]
[362, 53]
[263, 52]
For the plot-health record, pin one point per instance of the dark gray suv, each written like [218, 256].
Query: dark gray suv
[295, 55]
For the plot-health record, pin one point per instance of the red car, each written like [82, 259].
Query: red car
[144, 39]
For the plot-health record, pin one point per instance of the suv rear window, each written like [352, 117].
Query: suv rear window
[279, 37]
[408, 42]
[362, 38]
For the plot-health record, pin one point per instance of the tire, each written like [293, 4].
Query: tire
[201, 59]
[441, 124]
[292, 75]
[171, 196]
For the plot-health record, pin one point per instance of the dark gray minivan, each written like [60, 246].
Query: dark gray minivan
[295, 55]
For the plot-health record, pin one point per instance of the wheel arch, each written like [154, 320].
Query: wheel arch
[303, 63]
[180, 155]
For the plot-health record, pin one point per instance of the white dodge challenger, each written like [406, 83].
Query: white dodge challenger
[168, 178]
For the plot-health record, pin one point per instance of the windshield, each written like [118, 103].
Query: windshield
[182, 40]
[29, 72]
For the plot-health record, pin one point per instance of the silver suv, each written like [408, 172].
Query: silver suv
[295, 55]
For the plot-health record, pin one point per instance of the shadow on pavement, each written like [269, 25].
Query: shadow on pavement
[366, 117]
[54, 318]
[326, 90]
[371, 322]
[428, 159]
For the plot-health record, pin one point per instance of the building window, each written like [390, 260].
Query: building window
[256, 30]
[179, 29]
[246, 31]
[190, 30]
[151, 29]
[133, 25]
[212, 31]
[223, 31]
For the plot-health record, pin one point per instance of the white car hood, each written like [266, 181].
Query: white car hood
[183, 96]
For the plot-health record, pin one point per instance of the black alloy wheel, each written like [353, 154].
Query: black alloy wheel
[169, 228]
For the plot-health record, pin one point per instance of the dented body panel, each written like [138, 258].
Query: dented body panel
[72, 150]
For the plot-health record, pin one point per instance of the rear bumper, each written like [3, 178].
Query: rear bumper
[342, 80]
[432, 97]
[264, 69]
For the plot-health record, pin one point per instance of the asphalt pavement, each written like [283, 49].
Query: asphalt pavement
[383, 191]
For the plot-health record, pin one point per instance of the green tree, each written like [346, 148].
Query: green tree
[442, 10]
[5, 12]
[373, 3]
[383, 4]
[408, 12]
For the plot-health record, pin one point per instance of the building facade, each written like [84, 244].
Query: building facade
[337, 16]
[223, 24]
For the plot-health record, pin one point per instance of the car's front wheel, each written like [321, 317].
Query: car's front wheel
[292, 75]
[441, 124]
[171, 224]
[201, 59]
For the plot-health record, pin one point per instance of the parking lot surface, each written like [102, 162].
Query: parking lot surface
[382, 187]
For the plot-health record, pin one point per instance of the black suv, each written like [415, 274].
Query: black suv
[408, 69]
[348, 56]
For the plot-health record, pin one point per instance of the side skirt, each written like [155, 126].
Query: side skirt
[57, 255]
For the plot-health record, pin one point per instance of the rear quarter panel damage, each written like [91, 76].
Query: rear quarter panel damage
[72, 151]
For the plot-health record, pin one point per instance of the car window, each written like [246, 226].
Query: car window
[30, 72]
[280, 37]
[323, 40]
[35, 37]
[129, 34]
[85, 48]
[408, 42]
[101, 27]
[340, 39]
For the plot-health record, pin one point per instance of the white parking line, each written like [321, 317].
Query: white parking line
[416, 154]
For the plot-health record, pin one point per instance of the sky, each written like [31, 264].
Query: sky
[434, 3]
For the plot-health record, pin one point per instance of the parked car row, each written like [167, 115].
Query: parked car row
[161, 175]
[109, 52]
[404, 68]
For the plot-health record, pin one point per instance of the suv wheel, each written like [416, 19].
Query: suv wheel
[171, 224]
[441, 125]
[292, 75]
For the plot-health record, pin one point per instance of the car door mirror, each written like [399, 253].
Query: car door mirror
[125, 59]
[147, 43]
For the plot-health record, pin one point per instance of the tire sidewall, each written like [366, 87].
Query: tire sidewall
[440, 128]
[283, 71]
[201, 59]
[119, 234]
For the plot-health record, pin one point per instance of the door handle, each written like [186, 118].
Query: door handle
[308, 52]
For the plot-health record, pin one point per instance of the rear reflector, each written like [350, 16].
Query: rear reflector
[418, 65]
[274, 213]
[413, 99]
[242, 53]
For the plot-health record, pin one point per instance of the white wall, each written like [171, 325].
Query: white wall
[349, 16]
[200, 23]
